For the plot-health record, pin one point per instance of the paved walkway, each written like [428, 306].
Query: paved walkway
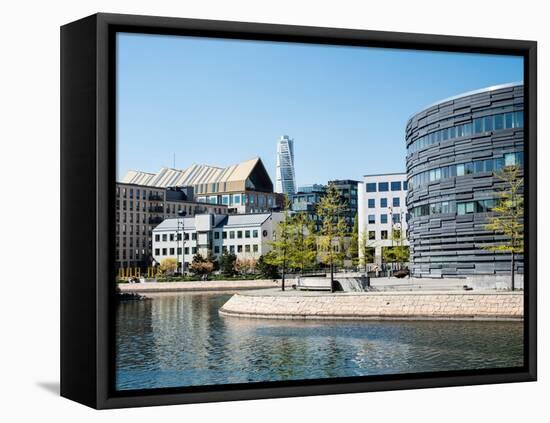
[228, 285]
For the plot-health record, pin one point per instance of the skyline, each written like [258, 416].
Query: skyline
[220, 102]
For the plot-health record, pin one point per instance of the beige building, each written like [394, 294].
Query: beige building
[244, 187]
[139, 209]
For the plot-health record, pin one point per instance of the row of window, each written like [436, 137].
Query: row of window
[386, 186]
[396, 218]
[131, 229]
[478, 166]
[131, 255]
[495, 122]
[247, 248]
[396, 202]
[217, 234]
[460, 208]
[238, 199]
[139, 193]
[171, 208]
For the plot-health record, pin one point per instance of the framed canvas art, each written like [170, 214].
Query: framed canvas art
[259, 211]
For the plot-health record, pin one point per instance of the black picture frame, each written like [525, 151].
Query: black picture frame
[88, 149]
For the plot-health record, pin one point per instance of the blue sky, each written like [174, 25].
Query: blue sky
[220, 102]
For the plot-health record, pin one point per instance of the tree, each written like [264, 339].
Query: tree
[267, 270]
[245, 265]
[281, 246]
[365, 248]
[227, 263]
[353, 250]
[330, 209]
[201, 266]
[303, 241]
[398, 252]
[168, 266]
[507, 217]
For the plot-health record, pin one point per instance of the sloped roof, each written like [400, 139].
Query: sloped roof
[193, 175]
[231, 220]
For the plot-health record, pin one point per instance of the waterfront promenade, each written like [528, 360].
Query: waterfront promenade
[417, 305]
[196, 286]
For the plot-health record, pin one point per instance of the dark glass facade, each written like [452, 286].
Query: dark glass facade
[454, 149]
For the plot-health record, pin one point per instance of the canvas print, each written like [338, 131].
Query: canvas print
[290, 212]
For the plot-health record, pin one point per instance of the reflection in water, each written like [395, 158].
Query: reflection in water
[181, 340]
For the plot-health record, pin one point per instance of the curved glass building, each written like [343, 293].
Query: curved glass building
[454, 148]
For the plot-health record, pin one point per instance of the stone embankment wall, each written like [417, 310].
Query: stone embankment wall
[378, 305]
[228, 285]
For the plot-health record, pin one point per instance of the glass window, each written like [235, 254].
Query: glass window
[172, 251]
[405, 187]
[478, 125]
[232, 234]
[383, 203]
[371, 203]
[488, 123]
[255, 248]
[164, 237]
[371, 219]
[216, 235]
[231, 248]
[518, 120]
[510, 159]
[255, 233]
[459, 170]
[508, 120]
[372, 234]
[396, 186]
[499, 122]
[216, 249]
[157, 237]
[247, 234]
[239, 248]
[247, 248]
[467, 129]
[395, 202]
[461, 208]
[194, 236]
[239, 234]
[157, 251]
[371, 187]
[383, 234]
[383, 218]
[186, 250]
[164, 250]
[383, 186]
[396, 217]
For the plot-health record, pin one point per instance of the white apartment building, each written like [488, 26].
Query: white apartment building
[245, 235]
[381, 208]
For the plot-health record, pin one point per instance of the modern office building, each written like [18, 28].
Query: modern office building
[305, 200]
[382, 208]
[245, 187]
[348, 192]
[454, 148]
[245, 235]
[139, 209]
[285, 175]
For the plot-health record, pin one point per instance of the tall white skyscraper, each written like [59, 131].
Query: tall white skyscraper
[286, 182]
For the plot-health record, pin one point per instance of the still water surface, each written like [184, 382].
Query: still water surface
[174, 340]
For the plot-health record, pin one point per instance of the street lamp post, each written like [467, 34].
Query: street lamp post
[180, 227]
